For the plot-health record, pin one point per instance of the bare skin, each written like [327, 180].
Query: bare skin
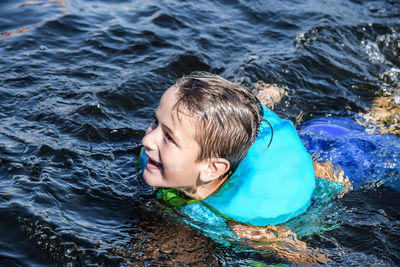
[268, 94]
[332, 172]
[280, 241]
[384, 113]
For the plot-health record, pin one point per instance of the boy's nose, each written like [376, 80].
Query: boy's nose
[148, 140]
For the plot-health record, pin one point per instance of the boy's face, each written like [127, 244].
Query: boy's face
[171, 147]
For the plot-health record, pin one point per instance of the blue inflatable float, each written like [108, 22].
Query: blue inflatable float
[364, 155]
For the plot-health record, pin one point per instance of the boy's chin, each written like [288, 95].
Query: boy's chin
[150, 179]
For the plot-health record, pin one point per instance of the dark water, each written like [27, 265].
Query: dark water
[78, 82]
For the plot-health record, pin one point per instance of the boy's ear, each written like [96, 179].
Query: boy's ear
[215, 168]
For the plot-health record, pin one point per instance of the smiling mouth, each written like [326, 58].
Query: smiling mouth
[152, 164]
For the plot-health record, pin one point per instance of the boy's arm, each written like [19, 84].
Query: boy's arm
[332, 172]
[280, 241]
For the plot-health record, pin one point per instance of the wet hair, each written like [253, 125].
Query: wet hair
[227, 115]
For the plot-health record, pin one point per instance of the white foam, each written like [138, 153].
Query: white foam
[373, 52]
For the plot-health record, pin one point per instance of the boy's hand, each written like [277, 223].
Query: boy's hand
[268, 94]
[280, 241]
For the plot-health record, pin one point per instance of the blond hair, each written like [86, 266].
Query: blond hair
[228, 115]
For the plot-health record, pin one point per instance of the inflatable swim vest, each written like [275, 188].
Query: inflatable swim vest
[270, 186]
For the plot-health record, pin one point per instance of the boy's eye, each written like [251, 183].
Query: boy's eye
[155, 121]
[169, 138]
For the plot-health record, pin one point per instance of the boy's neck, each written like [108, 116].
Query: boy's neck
[201, 192]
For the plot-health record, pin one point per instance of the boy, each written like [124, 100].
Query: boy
[208, 143]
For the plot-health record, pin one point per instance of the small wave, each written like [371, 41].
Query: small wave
[27, 7]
